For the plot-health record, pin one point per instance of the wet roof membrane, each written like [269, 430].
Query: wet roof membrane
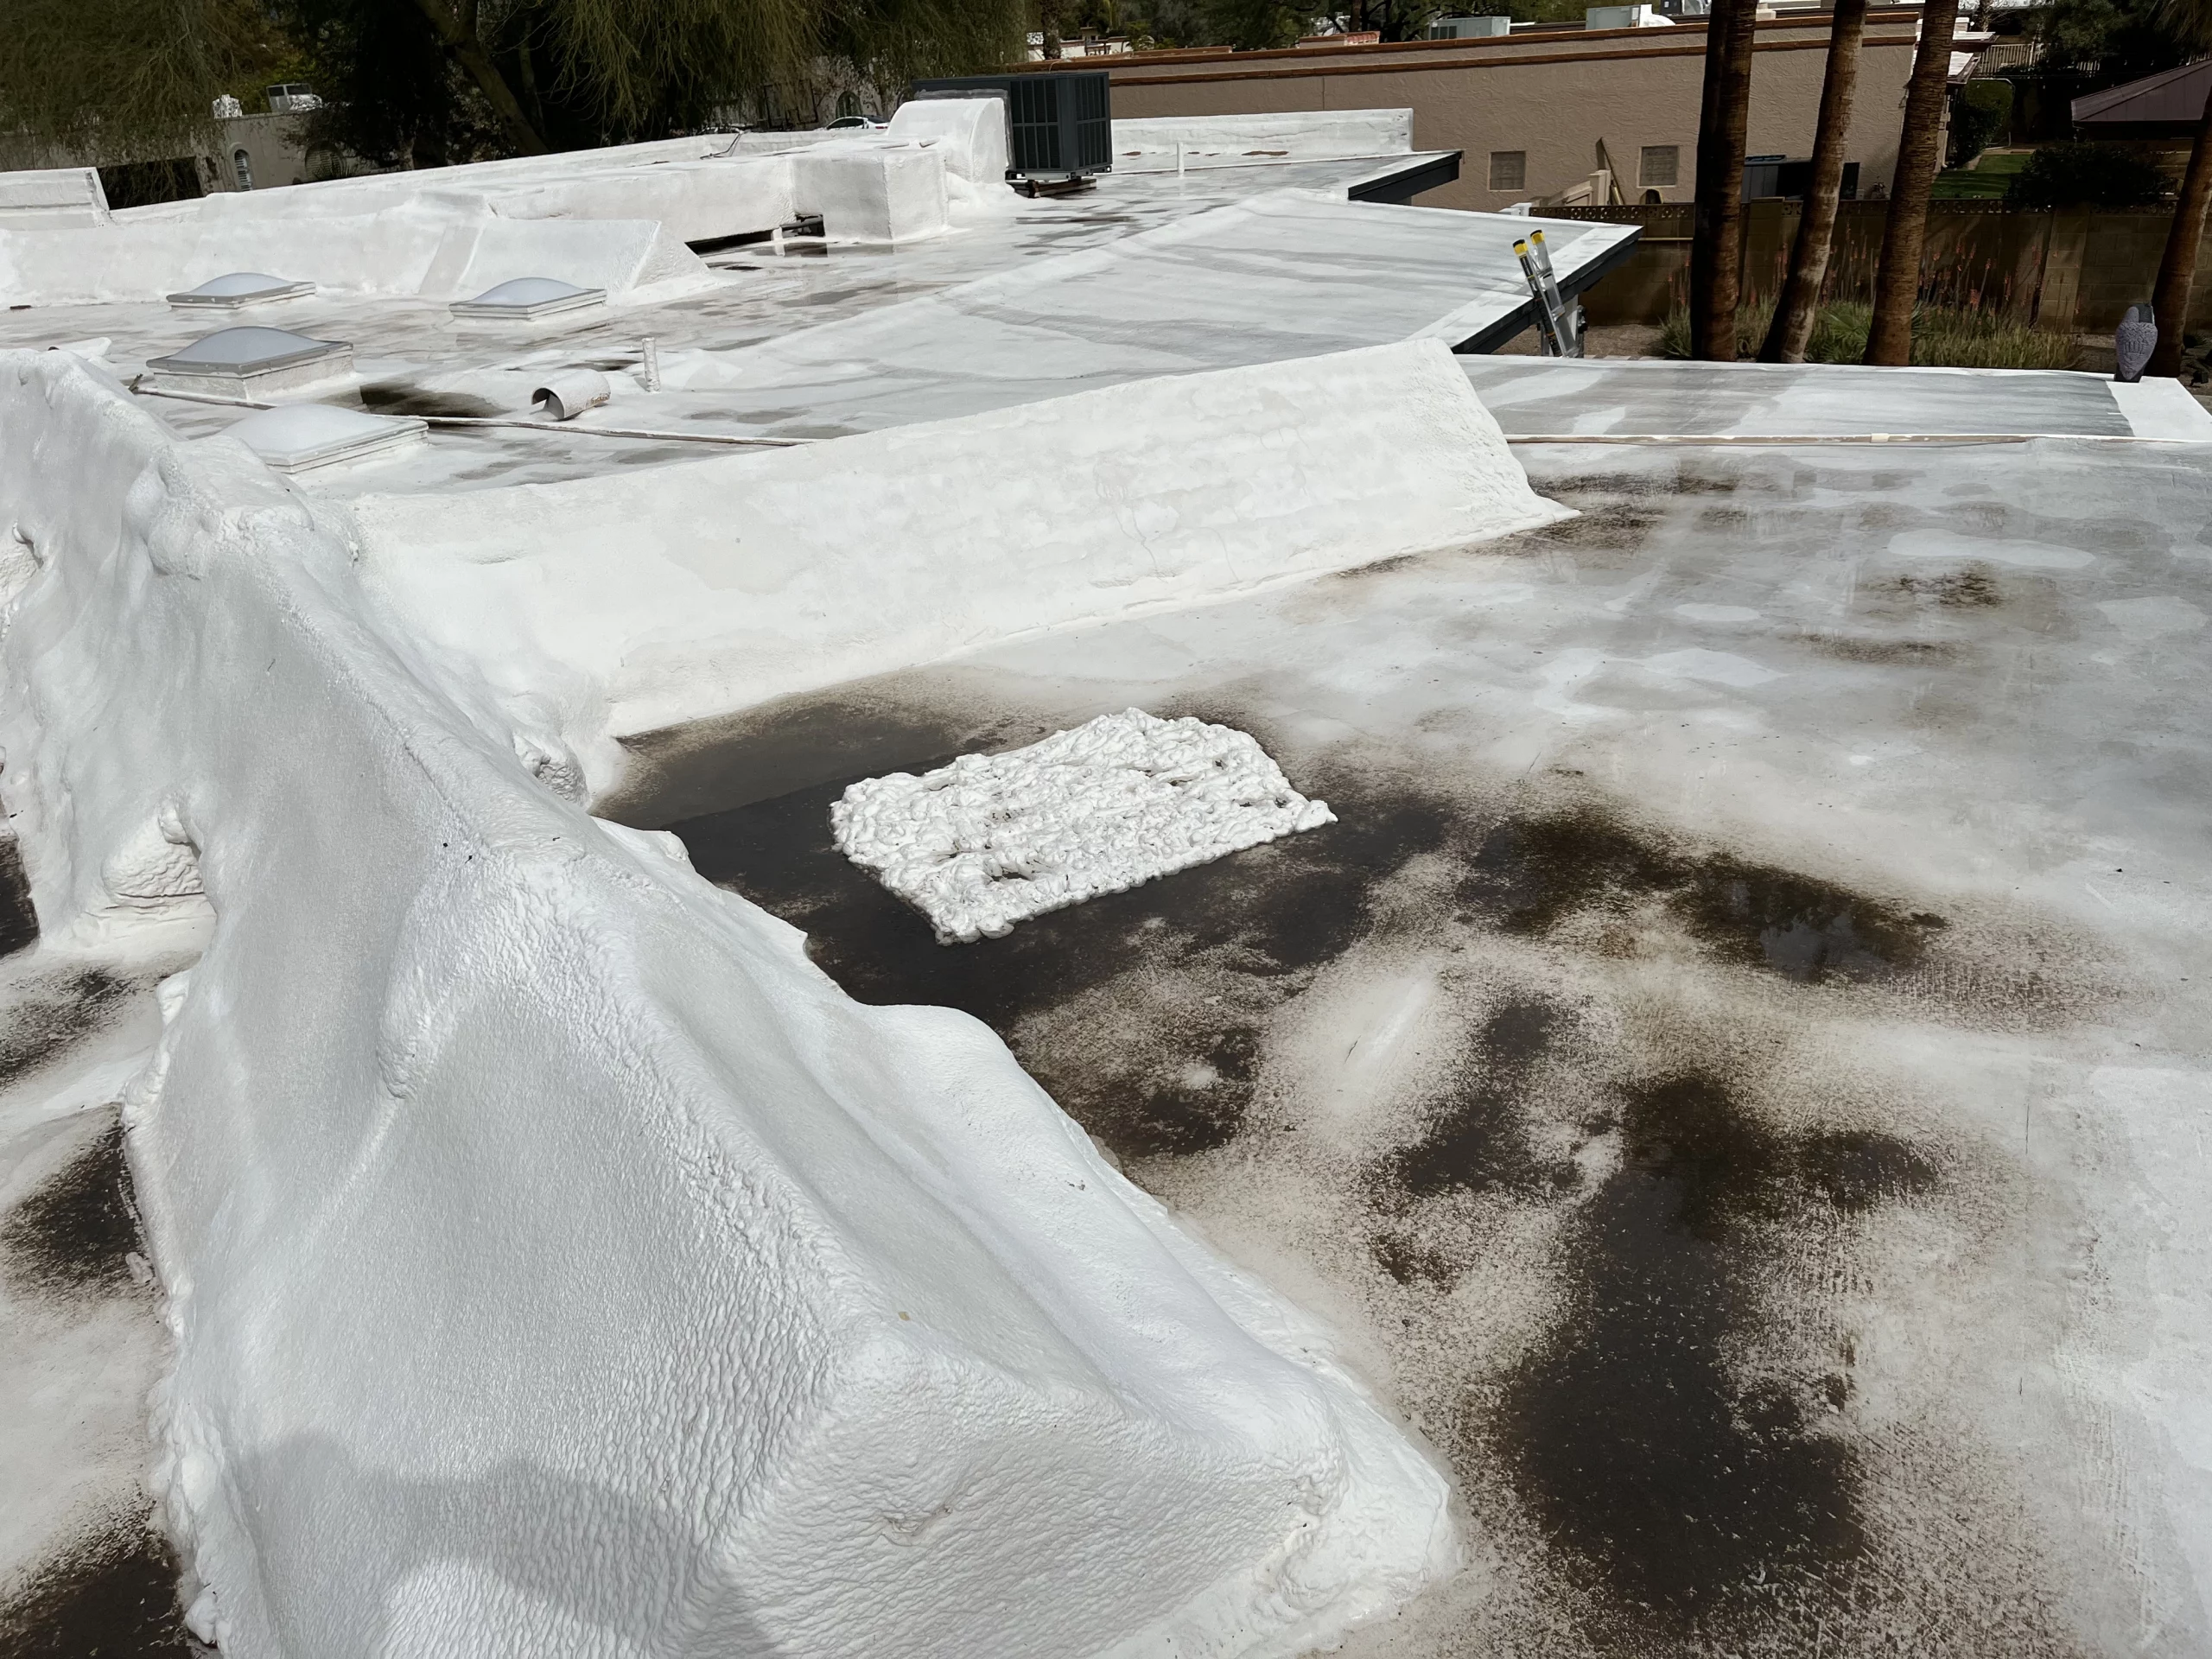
[302, 436]
[529, 297]
[1533, 396]
[238, 287]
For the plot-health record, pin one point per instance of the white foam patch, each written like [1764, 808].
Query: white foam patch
[996, 839]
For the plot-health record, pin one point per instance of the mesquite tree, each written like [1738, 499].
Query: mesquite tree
[120, 80]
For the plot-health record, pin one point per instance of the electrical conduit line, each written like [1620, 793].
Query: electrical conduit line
[725, 438]
[1754, 439]
[729, 440]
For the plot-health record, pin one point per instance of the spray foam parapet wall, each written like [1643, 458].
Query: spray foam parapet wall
[624, 604]
[618, 219]
[557, 1261]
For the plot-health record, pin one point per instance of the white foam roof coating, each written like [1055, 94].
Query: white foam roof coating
[996, 839]
[300, 436]
[529, 296]
[246, 350]
[241, 287]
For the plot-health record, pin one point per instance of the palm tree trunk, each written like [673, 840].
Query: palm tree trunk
[1904, 232]
[1792, 330]
[1716, 253]
[2178, 268]
[457, 29]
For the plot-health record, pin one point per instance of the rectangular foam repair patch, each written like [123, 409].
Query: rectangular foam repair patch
[996, 839]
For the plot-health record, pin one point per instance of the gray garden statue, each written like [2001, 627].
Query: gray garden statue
[2132, 344]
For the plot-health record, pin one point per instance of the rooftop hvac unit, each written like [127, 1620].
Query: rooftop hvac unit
[1058, 125]
[1469, 28]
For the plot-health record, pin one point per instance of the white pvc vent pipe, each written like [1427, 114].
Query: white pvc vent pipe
[568, 393]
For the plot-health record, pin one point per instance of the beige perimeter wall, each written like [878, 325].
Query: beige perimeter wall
[1553, 98]
[2076, 270]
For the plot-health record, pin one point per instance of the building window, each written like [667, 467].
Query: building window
[1662, 164]
[244, 162]
[1509, 169]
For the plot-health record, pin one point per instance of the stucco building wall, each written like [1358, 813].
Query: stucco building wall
[276, 149]
[1551, 96]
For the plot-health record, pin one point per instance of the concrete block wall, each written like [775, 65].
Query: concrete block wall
[2078, 268]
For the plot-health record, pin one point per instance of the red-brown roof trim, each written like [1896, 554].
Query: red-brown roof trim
[1215, 54]
[1295, 71]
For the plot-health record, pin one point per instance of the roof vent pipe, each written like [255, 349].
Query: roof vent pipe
[568, 393]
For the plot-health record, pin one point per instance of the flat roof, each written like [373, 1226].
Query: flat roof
[1750, 983]
[1233, 259]
[1733, 1075]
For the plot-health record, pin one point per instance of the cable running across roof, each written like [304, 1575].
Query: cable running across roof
[725, 438]
[1690, 439]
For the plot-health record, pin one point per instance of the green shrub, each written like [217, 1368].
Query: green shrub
[2087, 176]
[1942, 337]
[1946, 338]
[1752, 323]
[1980, 111]
[1989, 94]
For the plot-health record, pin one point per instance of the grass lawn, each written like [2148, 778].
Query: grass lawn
[1942, 337]
[1985, 181]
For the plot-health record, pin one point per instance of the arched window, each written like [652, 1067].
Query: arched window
[848, 103]
[244, 162]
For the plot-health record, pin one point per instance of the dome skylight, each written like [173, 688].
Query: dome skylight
[301, 436]
[251, 359]
[528, 297]
[239, 287]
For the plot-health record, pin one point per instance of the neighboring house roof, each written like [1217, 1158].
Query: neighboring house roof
[1999, 55]
[2170, 95]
